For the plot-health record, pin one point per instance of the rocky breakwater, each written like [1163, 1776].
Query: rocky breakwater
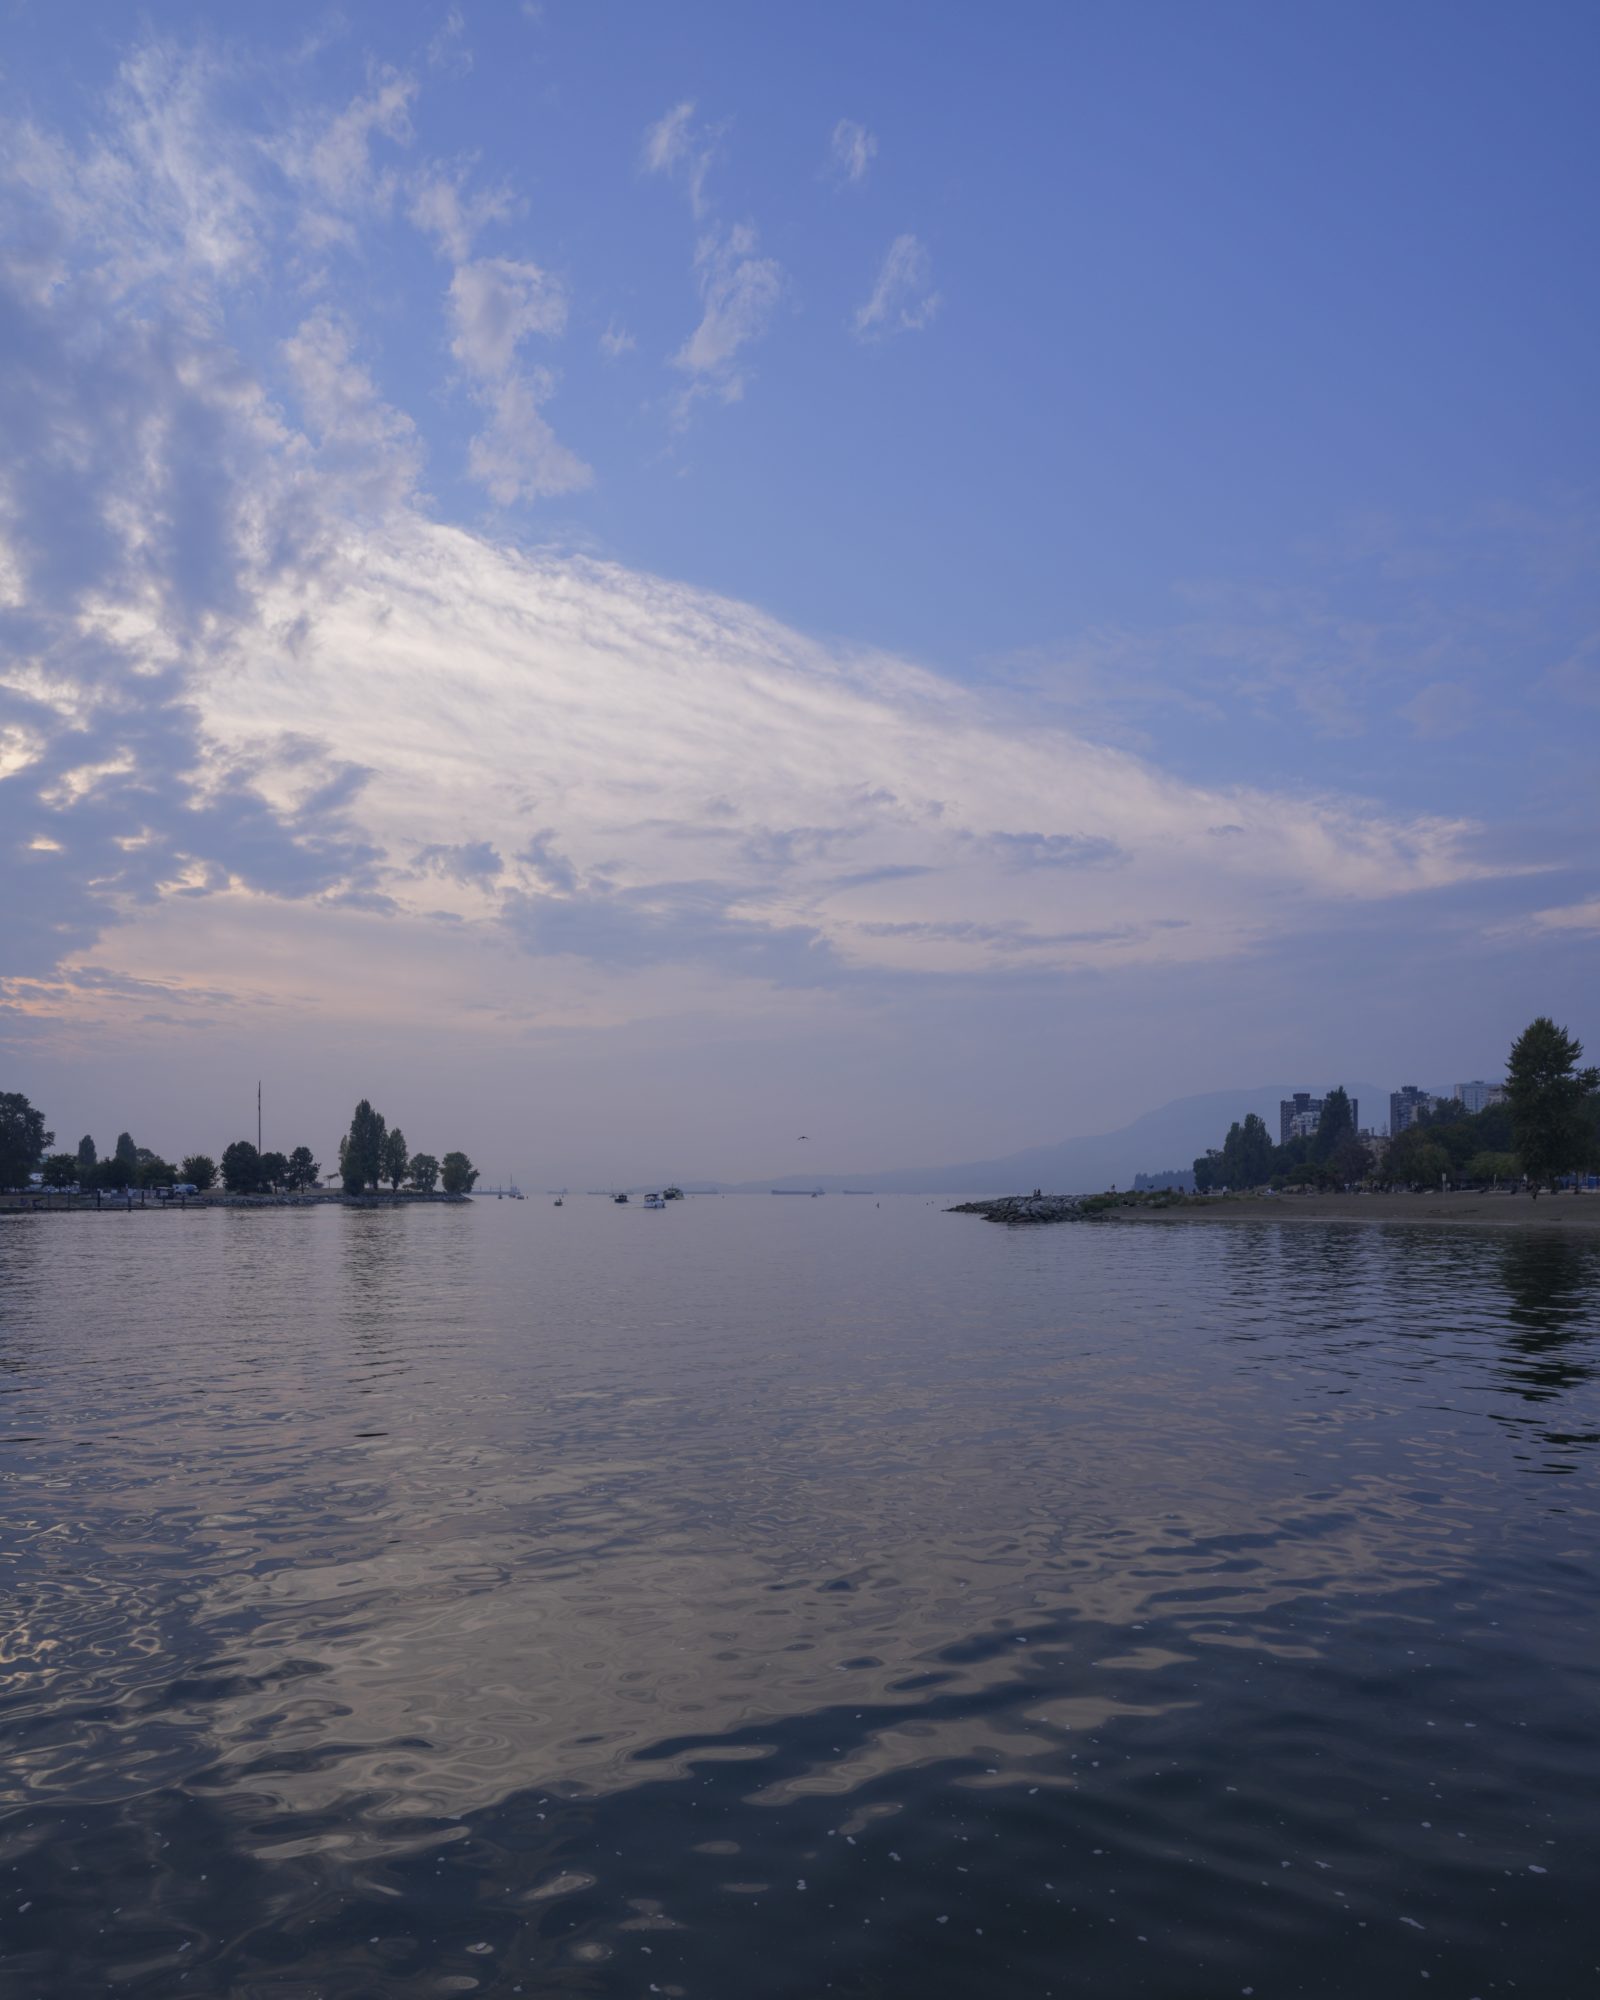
[1022, 1211]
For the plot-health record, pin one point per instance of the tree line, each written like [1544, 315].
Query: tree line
[371, 1154]
[1547, 1127]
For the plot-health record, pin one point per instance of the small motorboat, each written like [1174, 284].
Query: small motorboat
[672, 1194]
[619, 1198]
[557, 1202]
[654, 1201]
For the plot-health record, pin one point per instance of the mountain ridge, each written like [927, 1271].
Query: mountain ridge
[1173, 1135]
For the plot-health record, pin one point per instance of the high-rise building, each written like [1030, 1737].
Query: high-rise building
[1300, 1115]
[1294, 1109]
[1404, 1105]
[1480, 1095]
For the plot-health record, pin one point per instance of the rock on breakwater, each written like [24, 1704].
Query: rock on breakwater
[1019, 1211]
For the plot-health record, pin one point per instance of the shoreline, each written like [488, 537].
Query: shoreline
[115, 1205]
[1497, 1211]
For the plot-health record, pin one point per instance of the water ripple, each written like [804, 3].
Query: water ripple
[582, 1602]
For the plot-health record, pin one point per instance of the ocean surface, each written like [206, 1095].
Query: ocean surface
[779, 1598]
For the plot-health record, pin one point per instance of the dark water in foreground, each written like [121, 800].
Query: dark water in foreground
[779, 1598]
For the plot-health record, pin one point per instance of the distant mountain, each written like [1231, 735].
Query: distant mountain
[1173, 1136]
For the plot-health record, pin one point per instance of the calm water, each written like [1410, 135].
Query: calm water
[789, 1597]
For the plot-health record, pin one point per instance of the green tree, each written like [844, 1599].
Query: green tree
[303, 1169]
[87, 1159]
[59, 1170]
[128, 1153]
[1415, 1160]
[153, 1171]
[424, 1171]
[396, 1157]
[1549, 1097]
[113, 1173]
[23, 1139]
[361, 1154]
[241, 1168]
[1492, 1168]
[200, 1171]
[274, 1170]
[1335, 1126]
[1351, 1162]
[458, 1173]
[1255, 1152]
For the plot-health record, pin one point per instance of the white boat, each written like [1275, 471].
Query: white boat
[654, 1201]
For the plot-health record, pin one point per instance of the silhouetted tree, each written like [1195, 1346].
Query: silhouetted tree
[274, 1170]
[361, 1153]
[396, 1158]
[458, 1173]
[200, 1171]
[23, 1139]
[153, 1171]
[59, 1170]
[1247, 1153]
[241, 1168]
[1335, 1126]
[87, 1157]
[1351, 1162]
[303, 1169]
[1549, 1094]
[424, 1171]
[128, 1153]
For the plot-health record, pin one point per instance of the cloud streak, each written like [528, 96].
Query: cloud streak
[851, 151]
[902, 299]
[740, 290]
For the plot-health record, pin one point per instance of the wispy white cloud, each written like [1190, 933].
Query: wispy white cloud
[740, 291]
[518, 456]
[872, 819]
[495, 305]
[616, 341]
[851, 151]
[443, 207]
[448, 50]
[1575, 919]
[675, 146]
[160, 192]
[903, 299]
[331, 156]
[368, 451]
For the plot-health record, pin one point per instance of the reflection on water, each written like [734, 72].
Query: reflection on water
[846, 1597]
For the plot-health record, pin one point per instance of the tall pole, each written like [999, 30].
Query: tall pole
[258, 1116]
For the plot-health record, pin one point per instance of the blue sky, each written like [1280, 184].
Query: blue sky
[796, 536]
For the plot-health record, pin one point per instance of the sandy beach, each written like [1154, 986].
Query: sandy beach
[1503, 1211]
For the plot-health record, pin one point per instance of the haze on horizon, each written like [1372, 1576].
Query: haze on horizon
[631, 586]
